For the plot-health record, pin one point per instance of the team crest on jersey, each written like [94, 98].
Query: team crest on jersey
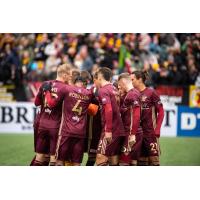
[79, 90]
[143, 98]
[159, 102]
[104, 99]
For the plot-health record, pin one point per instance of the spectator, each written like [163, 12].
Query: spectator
[171, 59]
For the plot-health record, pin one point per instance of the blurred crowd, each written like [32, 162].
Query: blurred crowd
[170, 59]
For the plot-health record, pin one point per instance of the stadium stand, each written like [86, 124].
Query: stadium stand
[28, 59]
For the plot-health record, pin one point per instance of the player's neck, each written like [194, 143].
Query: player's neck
[129, 87]
[141, 87]
[60, 79]
[105, 83]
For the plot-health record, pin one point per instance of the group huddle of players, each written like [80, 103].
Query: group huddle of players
[115, 123]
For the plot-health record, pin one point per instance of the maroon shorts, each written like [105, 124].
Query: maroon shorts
[70, 149]
[112, 149]
[136, 149]
[150, 146]
[46, 141]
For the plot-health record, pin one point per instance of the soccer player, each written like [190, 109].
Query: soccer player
[72, 133]
[94, 126]
[130, 112]
[113, 134]
[50, 118]
[151, 119]
[35, 131]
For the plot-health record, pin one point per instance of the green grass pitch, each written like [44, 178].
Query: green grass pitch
[17, 150]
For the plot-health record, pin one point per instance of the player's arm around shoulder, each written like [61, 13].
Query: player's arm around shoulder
[43, 88]
[54, 98]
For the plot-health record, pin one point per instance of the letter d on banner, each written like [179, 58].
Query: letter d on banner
[188, 121]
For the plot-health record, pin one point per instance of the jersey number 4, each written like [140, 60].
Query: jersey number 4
[77, 108]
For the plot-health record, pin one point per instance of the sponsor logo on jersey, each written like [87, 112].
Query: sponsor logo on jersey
[76, 118]
[143, 98]
[104, 99]
[47, 110]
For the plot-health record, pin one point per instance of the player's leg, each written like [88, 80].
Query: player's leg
[101, 160]
[89, 151]
[53, 144]
[143, 161]
[92, 151]
[101, 157]
[136, 150]
[114, 160]
[47, 159]
[124, 158]
[91, 159]
[42, 148]
[35, 142]
[62, 150]
[52, 160]
[143, 158]
[113, 150]
[77, 151]
[154, 150]
[32, 162]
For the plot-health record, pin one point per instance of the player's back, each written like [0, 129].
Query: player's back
[111, 92]
[51, 117]
[131, 100]
[148, 100]
[74, 119]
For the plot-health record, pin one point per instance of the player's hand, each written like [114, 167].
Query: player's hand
[108, 137]
[131, 141]
[47, 87]
[157, 133]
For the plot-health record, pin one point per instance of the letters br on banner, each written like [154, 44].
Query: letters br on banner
[17, 117]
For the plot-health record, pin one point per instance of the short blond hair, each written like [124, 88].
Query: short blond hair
[124, 76]
[64, 68]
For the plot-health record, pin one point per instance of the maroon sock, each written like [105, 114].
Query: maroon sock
[46, 163]
[38, 163]
[31, 164]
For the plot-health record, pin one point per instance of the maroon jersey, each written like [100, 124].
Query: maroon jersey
[37, 117]
[149, 102]
[74, 113]
[131, 100]
[108, 94]
[51, 117]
